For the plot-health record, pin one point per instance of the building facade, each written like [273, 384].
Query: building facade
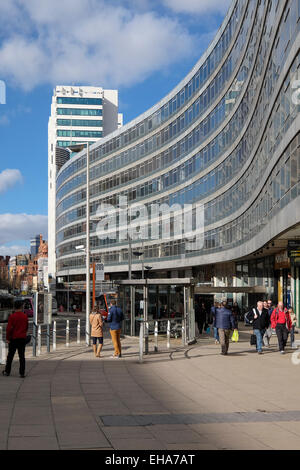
[78, 114]
[225, 143]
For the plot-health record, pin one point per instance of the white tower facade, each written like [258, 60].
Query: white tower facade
[78, 114]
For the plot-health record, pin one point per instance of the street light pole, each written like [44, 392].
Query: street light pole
[88, 290]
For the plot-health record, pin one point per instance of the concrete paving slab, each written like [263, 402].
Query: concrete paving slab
[137, 444]
[33, 430]
[33, 443]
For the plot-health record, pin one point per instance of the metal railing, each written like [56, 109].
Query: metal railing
[47, 337]
[174, 330]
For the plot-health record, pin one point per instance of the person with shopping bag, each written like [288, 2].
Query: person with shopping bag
[225, 322]
[260, 320]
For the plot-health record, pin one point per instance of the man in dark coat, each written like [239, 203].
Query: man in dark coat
[260, 319]
[225, 322]
[200, 316]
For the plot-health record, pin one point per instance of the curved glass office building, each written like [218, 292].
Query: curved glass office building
[221, 152]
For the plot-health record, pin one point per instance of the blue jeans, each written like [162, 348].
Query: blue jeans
[259, 339]
[216, 334]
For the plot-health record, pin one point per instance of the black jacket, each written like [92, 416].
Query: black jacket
[262, 321]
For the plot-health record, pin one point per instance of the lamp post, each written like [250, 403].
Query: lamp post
[78, 148]
[141, 253]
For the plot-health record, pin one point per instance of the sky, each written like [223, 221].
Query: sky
[143, 48]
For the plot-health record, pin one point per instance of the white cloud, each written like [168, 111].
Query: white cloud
[8, 179]
[14, 250]
[198, 7]
[15, 227]
[4, 120]
[88, 41]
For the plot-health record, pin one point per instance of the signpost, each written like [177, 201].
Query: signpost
[99, 271]
[42, 315]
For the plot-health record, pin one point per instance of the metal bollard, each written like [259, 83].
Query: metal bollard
[48, 338]
[146, 337]
[156, 337]
[78, 331]
[54, 336]
[141, 342]
[68, 333]
[39, 340]
[168, 334]
[2, 348]
[183, 333]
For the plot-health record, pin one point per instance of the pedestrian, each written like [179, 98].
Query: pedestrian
[268, 305]
[74, 308]
[294, 323]
[259, 318]
[225, 322]
[282, 323]
[115, 318]
[200, 316]
[213, 312]
[16, 332]
[96, 331]
[236, 311]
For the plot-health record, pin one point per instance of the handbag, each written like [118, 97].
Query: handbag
[253, 340]
[27, 339]
[235, 336]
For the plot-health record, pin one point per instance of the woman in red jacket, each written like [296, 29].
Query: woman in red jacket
[282, 323]
[16, 332]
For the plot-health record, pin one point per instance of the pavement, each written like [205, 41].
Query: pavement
[188, 398]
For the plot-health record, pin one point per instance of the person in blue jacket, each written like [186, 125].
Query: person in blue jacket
[115, 318]
[225, 322]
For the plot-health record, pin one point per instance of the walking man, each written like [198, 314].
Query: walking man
[281, 321]
[294, 323]
[259, 317]
[225, 322]
[115, 318]
[16, 332]
[200, 316]
[213, 312]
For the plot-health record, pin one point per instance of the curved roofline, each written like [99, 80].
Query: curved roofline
[166, 98]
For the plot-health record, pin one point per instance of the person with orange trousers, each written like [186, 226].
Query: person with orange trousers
[115, 318]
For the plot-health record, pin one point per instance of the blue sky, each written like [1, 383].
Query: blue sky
[143, 48]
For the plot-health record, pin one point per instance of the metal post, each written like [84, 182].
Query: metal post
[129, 257]
[2, 348]
[68, 333]
[143, 261]
[34, 332]
[78, 331]
[146, 318]
[54, 335]
[48, 338]
[68, 299]
[156, 336]
[88, 290]
[183, 332]
[146, 337]
[141, 342]
[168, 334]
[39, 340]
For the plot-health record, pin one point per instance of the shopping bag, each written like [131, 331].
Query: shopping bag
[253, 340]
[235, 336]
[208, 330]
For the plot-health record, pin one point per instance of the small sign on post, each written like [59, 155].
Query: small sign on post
[42, 308]
[99, 267]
